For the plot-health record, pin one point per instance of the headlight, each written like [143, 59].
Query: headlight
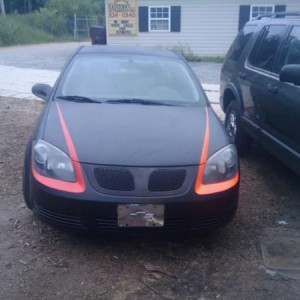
[51, 162]
[221, 166]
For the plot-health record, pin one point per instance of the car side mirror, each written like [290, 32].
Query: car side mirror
[42, 91]
[290, 74]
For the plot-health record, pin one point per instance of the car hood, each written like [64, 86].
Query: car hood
[129, 134]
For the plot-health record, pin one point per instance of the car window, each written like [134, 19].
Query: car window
[130, 76]
[291, 49]
[240, 42]
[266, 47]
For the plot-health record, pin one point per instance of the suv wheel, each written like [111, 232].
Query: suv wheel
[233, 127]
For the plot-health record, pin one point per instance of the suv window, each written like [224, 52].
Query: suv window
[291, 49]
[240, 42]
[265, 48]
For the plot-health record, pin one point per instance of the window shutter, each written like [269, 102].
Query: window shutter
[175, 18]
[143, 19]
[244, 15]
[280, 8]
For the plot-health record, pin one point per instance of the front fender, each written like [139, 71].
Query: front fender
[230, 93]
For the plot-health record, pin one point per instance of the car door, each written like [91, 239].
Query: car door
[259, 82]
[283, 104]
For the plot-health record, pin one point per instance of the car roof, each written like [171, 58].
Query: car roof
[105, 49]
[275, 18]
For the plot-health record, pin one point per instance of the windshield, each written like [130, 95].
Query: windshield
[109, 77]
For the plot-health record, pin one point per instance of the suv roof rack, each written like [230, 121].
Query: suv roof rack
[279, 15]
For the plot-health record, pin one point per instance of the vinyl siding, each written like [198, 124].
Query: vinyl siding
[207, 26]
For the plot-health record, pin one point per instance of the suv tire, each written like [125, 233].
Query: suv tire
[233, 127]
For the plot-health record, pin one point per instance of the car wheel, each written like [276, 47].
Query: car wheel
[233, 127]
[26, 178]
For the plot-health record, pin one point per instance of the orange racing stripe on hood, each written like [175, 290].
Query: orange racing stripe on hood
[205, 189]
[204, 155]
[73, 187]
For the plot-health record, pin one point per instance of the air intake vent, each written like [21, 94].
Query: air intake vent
[114, 179]
[164, 180]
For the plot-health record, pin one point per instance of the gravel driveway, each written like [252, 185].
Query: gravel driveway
[53, 57]
[41, 262]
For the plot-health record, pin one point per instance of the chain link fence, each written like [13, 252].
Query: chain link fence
[82, 25]
[46, 26]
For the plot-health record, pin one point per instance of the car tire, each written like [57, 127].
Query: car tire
[26, 178]
[233, 127]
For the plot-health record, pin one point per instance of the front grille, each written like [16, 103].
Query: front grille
[170, 225]
[112, 225]
[115, 179]
[107, 224]
[59, 219]
[166, 180]
[106, 220]
[211, 222]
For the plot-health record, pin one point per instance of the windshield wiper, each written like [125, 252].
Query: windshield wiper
[79, 99]
[138, 101]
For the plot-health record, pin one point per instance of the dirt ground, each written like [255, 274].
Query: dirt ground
[40, 262]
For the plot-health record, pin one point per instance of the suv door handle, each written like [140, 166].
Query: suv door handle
[242, 75]
[272, 88]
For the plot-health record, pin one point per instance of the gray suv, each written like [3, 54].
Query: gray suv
[260, 87]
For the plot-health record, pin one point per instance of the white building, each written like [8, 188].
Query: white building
[206, 27]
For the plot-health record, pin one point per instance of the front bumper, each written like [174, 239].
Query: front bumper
[97, 212]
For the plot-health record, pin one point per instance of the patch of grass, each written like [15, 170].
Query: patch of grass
[214, 59]
[15, 30]
[18, 29]
[186, 52]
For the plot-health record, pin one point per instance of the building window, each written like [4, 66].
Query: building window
[159, 18]
[258, 10]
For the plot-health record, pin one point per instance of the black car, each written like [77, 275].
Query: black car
[128, 141]
[260, 87]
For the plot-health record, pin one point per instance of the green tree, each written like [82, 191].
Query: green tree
[57, 17]
[23, 6]
[68, 8]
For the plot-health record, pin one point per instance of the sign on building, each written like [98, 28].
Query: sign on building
[122, 17]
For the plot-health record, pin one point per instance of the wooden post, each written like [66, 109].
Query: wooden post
[87, 25]
[2, 7]
[75, 27]
[29, 3]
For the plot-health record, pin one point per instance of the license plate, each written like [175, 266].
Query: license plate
[141, 215]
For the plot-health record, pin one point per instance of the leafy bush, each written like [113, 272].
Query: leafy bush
[15, 29]
[68, 8]
[215, 59]
[54, 20]
[50, 21]
[186, 52]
